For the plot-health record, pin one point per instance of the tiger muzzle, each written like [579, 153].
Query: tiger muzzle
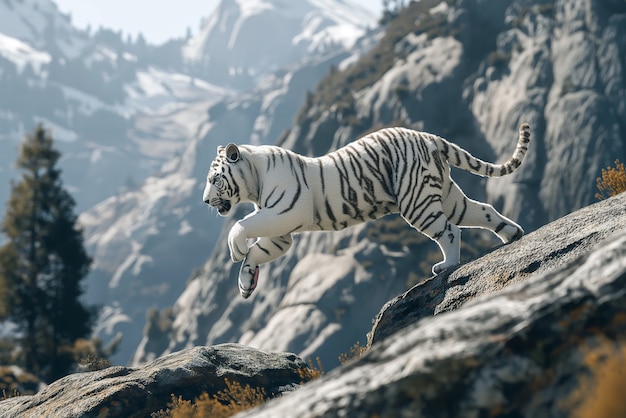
[222, 206]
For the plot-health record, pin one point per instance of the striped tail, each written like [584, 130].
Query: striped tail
[459, 157]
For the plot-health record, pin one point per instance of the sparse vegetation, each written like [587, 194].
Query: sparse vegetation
[313, 371]
[225, 403]
[612, 181]
[601, 395]
[15, 382]
[91, 355]
[356, 351]
[6, 395]
[233, 399]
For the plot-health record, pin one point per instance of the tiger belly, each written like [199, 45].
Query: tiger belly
[333, 214]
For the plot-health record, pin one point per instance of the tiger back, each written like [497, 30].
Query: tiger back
[393, 170]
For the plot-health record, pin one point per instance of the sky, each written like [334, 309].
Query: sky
[158, 20]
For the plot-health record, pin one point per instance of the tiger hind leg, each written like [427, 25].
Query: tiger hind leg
[263, 251]
[447, 235]
[466, 212]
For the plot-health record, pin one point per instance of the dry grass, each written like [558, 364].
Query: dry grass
[6, 395]
[602, 394]
[313, 372]
[356, 351]
[612, 181]
[16, 384]
[232, 400]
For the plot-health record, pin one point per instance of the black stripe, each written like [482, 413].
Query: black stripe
[277, 246]
[294, 200]
[262, 249]
[462, 215]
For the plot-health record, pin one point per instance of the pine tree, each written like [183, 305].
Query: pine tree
[391, 9]
[43, 262]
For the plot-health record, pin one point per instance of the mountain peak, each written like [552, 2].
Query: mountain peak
[228, 49]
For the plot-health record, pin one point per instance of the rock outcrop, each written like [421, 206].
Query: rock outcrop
[553, 245]
[125, 392]
[487, 351]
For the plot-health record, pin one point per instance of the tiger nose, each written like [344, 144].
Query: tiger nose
[206, 200]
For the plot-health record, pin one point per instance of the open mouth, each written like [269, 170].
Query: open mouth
[223, 207]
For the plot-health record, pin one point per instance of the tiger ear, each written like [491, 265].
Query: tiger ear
[232, 153]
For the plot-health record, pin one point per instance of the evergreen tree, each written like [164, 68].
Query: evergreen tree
[43, 262]
[391, 9]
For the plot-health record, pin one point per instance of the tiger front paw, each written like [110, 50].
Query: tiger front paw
[237, 243]
[248, 279]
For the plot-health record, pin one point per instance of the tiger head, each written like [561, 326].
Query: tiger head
[222, 189]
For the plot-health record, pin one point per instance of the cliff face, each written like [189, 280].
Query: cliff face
[467, 70]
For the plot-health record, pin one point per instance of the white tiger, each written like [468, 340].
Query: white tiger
[393, 170]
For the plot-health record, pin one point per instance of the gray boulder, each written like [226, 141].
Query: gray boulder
[517, 351]
[127, 392]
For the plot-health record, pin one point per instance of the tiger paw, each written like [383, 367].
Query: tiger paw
[237, 243]
[248, 279]
[442, 266]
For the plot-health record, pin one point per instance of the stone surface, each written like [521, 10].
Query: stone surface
[126, 392]
[537, 253]
[514, 352]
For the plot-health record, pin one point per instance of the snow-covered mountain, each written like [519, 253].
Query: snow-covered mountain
[41, 27]
[243, 40]
[103, 98]
[120, 108]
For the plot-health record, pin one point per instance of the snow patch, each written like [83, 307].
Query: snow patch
[110, 316]
[162, 92]
[440, 8]
[22, 54]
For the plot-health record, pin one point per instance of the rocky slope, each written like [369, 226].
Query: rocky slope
[468, 70]
[506, 335]
[509, 335]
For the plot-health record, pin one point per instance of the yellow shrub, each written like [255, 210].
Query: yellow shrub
[235, 398]
[612, 182]
[313, 372]
[356, 351]
[602, 395]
